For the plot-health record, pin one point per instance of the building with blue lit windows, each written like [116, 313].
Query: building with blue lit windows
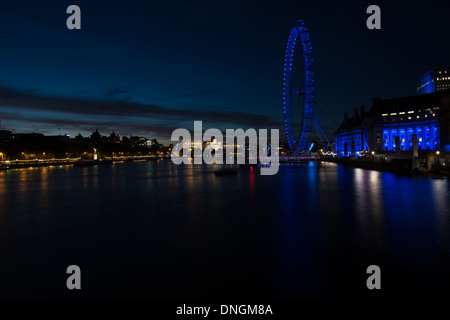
[352, 137]
[434, 80]
[393, 126]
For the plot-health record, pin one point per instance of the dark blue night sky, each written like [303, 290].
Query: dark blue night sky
[148, 67]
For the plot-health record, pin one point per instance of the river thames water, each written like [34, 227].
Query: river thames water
[156, 230]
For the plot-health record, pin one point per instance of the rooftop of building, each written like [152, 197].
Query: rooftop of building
[395, 105]
[416, 102]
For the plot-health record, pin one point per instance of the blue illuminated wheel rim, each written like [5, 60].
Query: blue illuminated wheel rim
[299, 29]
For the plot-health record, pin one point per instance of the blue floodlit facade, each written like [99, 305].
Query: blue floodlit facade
[426, 84]
[434, 80]
[299, 30]
[353, 135]
[390, 126]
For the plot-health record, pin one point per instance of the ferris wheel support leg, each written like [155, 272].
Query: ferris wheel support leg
[317, 125]
[318, 132]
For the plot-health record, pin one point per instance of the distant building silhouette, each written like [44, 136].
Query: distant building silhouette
[5, 136]
[96, 136]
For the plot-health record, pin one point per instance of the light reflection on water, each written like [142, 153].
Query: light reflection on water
[308, 231]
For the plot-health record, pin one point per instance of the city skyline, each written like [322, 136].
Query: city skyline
[123, 72]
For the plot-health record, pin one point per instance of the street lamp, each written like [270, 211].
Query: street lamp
[1, 155]
[437, 153]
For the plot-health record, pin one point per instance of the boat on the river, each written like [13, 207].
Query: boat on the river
[89, 163]
[85, 163]
[225, 172]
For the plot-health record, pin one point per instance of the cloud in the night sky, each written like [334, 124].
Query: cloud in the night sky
[196, 94]
[125, 115]
[115, 91]
[87, 125]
